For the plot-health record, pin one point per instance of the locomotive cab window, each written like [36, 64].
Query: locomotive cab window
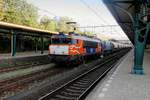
[74, 41]
[63, 41]
[90, 44]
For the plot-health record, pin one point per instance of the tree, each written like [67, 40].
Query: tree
[23, 13]
[53, 25]
[44, 22]
[63, 27]
[48, 24]
[1, 9]
[78, 31]
[20, 12]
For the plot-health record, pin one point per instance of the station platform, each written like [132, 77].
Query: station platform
[120, 84]
[21, 58]
[22, 54]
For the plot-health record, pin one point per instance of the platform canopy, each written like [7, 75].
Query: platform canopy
[122, 10]
[21, 28]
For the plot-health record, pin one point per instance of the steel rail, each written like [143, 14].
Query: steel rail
[80, 85]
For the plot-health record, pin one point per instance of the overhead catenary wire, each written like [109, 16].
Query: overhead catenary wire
[89, 7]
[47, 11]
[107, 9]
[101, 18]
[98, 26]
[51, 13]
[114, 30]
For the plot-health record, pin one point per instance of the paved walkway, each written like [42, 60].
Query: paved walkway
[23, 54]
[121, 85]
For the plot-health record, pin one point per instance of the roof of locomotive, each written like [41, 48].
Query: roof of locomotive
[86, 38]
[75, 36]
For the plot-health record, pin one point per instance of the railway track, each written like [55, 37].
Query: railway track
[8, 69]
[77, 88]
[18, 83]
[22, 63]
[22, 66]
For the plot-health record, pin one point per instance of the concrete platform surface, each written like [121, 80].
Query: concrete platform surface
[121, 85]
[23, 58]
[23, 54]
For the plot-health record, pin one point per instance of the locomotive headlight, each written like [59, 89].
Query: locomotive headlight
[49, 49]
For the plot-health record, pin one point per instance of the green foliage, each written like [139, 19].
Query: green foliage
[54, 25]
[20, 12]
[48, 24]
[63, 27]
[90, 33]
[78, 31]
[44, 22]
[1, 9]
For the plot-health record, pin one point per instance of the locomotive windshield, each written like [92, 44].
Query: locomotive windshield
[61, 41]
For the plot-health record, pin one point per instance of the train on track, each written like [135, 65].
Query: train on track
[75, 48]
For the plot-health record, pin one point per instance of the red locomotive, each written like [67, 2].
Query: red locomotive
[73, 47]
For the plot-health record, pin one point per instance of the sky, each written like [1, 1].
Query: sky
[84, 12]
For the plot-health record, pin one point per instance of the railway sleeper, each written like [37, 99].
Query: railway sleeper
[77, 87]
[70, 93]
[62, 97]
[77, 91]
[80, 85]
[83, 81]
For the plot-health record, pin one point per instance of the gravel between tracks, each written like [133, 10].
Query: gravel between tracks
[22, 72]
[37, 89]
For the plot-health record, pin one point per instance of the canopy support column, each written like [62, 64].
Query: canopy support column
[13, 43]
[36, 44]
[42, 45]
[141, 29]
